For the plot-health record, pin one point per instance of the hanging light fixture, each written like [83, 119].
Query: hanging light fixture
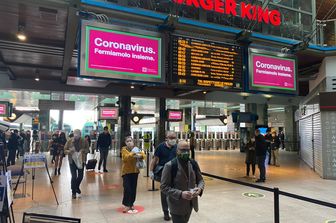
[37, 75]
[21, 35]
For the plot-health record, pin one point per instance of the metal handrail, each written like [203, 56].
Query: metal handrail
[276, 192]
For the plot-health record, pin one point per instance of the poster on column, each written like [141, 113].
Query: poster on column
[120, 53]
[272, 72]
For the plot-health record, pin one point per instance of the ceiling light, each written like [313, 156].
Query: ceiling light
[132, 86]
[268, 96]
[21, 34]
[204, 92]
[37, 75]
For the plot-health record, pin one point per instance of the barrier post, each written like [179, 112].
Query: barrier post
[276, 206]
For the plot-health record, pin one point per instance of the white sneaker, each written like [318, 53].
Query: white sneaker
[253, 176]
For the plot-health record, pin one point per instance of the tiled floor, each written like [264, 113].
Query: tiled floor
[222, 202]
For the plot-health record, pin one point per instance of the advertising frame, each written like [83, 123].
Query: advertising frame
[126, 77]
[217, 40]
[271, 89]
[107, 107]
[8, 108]
[174, 110]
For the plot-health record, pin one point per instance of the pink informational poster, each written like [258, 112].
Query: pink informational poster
[108, 113]
[3, 109]
[108, 52]
[273, 72]
[175, 115]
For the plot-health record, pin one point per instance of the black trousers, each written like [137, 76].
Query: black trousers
[262, 167]
[164, 203]
[248, 168]
[181, 218]
[76, 177]
[130, 182]
[103, 157]
[11, 157]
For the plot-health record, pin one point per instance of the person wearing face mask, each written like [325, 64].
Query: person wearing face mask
[130, 172]
[164, 153]
[103, 145]
[182, 182]
[77, 149]
[250, 157]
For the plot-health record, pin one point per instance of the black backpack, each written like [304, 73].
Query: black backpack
[175, 165]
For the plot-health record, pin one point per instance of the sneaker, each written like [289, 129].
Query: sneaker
[253, 176]
[73, 196]
[126, 209]
[78, 191]
[260, 181]
[105, 171]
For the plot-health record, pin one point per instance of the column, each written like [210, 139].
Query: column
[290, 129]
[187, 119]
[44, 119]
[60, 119]
[125, 119]
[160, 127]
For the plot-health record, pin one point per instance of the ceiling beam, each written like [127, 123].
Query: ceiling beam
[4, 68]
[70, 38]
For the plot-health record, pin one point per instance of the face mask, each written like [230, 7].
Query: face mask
[184, 155]
[130, 144]
[172, 142]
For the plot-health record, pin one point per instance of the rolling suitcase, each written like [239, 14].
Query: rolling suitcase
[91, 164]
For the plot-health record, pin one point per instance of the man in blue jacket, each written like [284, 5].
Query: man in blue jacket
[261, 150]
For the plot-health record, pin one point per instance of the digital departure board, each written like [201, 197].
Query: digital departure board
[206, 64]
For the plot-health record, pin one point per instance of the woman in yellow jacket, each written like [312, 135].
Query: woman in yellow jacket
[130, 172]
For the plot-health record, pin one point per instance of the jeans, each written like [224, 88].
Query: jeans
[130, 186]
[164, 203]
[269, 151]
[103, 157]
[248, 169]
[76, 177]
[261, 166]
[181, 218]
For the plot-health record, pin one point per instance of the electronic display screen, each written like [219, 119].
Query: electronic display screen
[114, 52]
[4, 109]
[272, 72]
[108, 113]
[175, 115]
[206, 64]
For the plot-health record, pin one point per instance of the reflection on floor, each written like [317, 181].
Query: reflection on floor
[221, 202]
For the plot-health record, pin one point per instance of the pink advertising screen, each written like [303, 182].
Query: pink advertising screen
[175, 115]
[3, 109]
[274, 73]
[108, 113]
[110, 53]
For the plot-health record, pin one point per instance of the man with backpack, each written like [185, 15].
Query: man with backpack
[165, 152]
[182, 182]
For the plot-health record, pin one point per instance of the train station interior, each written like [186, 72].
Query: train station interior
[216, 74]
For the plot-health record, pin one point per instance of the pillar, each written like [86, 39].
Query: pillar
[44, 119]
[290, 129]
[187, 119]
[60, 119]
[125, 119]
[160, 133]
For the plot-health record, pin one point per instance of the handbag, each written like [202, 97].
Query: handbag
[140, 164]
[158, 172]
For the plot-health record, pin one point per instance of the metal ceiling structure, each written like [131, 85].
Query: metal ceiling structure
[50, 51]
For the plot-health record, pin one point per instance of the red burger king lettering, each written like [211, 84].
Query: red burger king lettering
[229, 7]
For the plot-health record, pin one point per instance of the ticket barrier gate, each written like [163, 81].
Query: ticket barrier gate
[208, 144]
[198, 145]
[218, 144]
